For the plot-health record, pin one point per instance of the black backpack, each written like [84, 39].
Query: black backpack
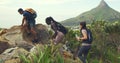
[89, 34]
[61, 28]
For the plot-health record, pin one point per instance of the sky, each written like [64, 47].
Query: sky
[59, 9]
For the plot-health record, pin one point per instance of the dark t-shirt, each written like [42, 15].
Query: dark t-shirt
[28, 16]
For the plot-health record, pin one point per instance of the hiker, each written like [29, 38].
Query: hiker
[28, 22]
[86, 42]
[59, 30]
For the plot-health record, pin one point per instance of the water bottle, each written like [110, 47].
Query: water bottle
[76, 35]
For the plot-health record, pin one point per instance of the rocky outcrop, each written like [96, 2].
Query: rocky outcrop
[42, 34]
[3, 46]
[3, 31]
[13, 54]
[15, 41]
[17, 37]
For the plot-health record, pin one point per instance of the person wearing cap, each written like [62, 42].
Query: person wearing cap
[28, 22]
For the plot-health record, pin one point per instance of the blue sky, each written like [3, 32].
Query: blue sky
[59, 9]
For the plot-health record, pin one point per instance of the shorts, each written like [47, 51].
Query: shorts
[59, 37]
[31, 24]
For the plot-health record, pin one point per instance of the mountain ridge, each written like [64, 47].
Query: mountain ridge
[103, 12]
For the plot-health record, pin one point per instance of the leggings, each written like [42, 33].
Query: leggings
[83, 51]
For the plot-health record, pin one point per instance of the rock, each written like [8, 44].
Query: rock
[42, 34]
[17, 60]
[3, 46]
[13, 35]
[13, 54]
[3, 31]
[17, 37]
[23, 44]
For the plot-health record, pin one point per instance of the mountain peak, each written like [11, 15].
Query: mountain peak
[102, 12]
[103, 4]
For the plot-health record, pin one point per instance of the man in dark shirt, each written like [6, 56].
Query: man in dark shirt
[28, 22]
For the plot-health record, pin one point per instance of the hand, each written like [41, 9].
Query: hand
[78, 38]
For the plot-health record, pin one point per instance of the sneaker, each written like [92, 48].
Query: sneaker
[35, 41]
[28, 33]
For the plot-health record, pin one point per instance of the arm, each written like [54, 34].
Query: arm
[84, 33]
[53, 26]
[23, 20]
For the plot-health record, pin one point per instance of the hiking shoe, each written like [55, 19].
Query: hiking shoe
[35, 41]
[28, 34]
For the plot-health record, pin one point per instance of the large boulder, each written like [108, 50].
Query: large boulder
[42, 34]
[3, 46]
[17, 37]
[13, 35]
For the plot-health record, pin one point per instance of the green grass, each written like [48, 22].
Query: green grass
[43, 56]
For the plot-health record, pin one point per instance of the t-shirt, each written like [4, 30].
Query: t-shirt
[28, 16]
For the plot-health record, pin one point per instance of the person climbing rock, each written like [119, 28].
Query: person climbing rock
[28, 22]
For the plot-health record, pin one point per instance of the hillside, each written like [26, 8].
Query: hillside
[102, 12]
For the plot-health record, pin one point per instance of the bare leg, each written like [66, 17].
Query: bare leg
[59, 37]
[34, 33]
[25, 27]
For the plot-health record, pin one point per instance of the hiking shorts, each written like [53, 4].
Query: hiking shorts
[59, 37]
[31, 24]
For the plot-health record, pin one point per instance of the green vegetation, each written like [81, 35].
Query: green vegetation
[47, 55]
[106, 41]
[104, 47]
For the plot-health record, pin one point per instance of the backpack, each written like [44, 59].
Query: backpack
[89, 34]
[61, 28]
[33, 12]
